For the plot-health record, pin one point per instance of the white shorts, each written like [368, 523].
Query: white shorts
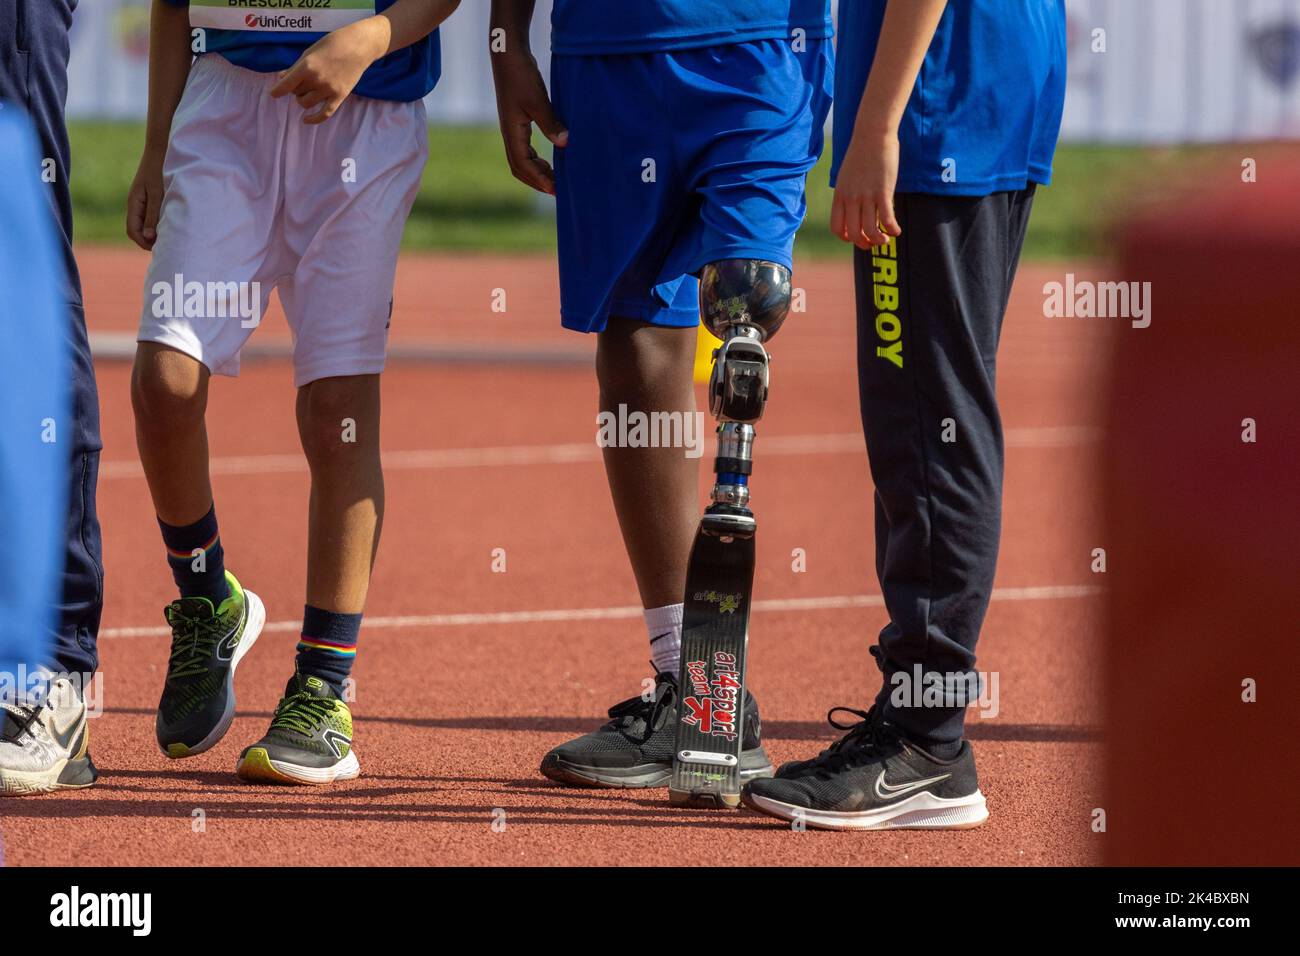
[256, 200]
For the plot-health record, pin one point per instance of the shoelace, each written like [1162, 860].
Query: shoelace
[868, 737]
[24, 715]
[302, 713]
[624, 712]
[193, 641]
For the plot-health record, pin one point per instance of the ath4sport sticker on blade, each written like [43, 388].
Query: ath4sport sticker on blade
[711, 705]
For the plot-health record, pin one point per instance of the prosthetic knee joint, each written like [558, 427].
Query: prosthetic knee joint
[743, 302]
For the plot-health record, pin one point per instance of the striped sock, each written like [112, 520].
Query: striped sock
[196, 558]
[328, 645]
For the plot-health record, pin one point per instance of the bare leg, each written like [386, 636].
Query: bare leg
[649, 369]
[338, 422]
[169, 393]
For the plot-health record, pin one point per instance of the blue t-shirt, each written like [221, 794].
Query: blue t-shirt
[645, 26]
[986, 109]
[404, 75]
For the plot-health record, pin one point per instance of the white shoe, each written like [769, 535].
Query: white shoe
[45, 746]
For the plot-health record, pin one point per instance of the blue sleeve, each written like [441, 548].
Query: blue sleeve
[34, 395]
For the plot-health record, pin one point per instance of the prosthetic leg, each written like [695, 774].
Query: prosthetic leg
[743, 302]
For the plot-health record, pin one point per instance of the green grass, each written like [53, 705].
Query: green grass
[1096, 189]
[469, 202]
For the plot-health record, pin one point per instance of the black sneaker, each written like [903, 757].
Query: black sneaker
[635, 749]
[310, 740]
[198, 699]
[873, 779]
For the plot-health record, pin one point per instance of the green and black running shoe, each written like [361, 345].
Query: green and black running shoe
[198, 700]
[310, 740]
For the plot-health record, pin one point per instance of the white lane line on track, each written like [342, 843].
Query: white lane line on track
[566, 454]
[831, 603]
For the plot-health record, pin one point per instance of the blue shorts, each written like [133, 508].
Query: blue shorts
[677, 159]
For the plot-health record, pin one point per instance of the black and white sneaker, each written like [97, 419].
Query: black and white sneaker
[635, 749]
[873, 779]
[45, 744]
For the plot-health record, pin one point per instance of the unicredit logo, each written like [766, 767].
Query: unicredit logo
[277, 22]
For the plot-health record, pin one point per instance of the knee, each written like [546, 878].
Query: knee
[168, 389]
[335, 419]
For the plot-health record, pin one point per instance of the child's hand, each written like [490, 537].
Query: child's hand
[144, 202]
[331, 67]
[521, 102]
[863, 210]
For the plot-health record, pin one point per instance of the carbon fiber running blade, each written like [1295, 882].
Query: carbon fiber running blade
[715, 626]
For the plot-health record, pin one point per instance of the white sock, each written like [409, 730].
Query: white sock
[664, 625]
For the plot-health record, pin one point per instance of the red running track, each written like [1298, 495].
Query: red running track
[466, 677]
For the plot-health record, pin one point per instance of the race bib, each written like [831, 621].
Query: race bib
[279, 16]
